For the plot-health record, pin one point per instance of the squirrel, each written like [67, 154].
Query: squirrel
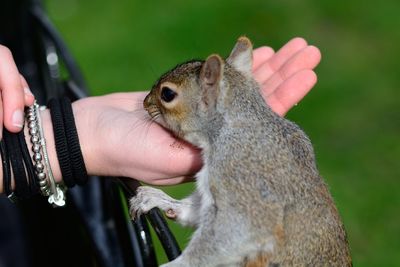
[259, 198]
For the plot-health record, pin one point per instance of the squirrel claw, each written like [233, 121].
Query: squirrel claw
[170, 213]
[147, 198]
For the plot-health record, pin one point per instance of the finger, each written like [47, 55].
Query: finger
[291, 91]
[172, 181]
[11, 90]
[13, 106]
[261, 55]
[1, 118]
[28, 96]
[307, 58]
[264, 71]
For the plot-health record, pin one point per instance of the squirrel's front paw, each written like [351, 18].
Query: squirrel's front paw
[147, 198]
[142, 202]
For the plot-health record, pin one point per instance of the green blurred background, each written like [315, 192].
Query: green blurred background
[352, 115]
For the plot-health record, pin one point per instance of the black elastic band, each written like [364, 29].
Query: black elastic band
[61, 142]
[74, 148]
[6, 168]
[22, 190]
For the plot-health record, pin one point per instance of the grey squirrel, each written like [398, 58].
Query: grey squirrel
[259, 198]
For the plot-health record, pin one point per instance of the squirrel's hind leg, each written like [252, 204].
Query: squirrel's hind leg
[213, 244]
[184, 211]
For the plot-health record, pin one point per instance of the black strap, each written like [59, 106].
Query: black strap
[22, 190]
[74, 148]
[6, 168]
[32, 178]
[61, 142]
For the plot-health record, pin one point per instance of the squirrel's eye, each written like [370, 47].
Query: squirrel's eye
[167, 94]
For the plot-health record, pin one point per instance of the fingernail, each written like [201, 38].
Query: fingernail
[27, 91]
[18, 118]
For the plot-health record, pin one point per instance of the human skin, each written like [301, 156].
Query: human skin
[116, 135]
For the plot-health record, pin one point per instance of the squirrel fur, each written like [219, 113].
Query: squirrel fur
[259, 198]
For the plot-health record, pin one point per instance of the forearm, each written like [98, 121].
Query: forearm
[117, 139]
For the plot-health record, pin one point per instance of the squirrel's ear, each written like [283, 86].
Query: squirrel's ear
[211, 71]
[241, 57]
[210, 77]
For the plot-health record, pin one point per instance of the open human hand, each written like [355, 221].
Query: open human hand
[131, 146]
[287, 75]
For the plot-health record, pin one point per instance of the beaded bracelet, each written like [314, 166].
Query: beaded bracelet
[58, 196]
[31, 117]
[48, 187]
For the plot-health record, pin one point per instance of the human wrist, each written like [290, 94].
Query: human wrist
[50, 144]
[85, 121]
[49, 148]
[48, 131]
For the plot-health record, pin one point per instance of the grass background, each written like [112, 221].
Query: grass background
[352, 115]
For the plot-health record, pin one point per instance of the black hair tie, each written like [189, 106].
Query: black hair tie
[74, 148]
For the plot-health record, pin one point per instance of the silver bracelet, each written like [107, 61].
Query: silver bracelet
[36, 149]
[47, 184]
[58, 196]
